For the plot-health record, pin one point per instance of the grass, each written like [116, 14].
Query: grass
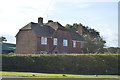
[30, 74]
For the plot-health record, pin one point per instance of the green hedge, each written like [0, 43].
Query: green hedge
[73, 64]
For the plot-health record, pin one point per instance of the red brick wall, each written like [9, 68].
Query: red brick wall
[60, 35]
[42, 47]
[77, 49]
[26, 42]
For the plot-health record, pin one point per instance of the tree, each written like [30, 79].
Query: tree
[68, 26]
[113, 50]
[3, 39]
[94, 42]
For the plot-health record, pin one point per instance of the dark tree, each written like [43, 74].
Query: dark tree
[3, 39]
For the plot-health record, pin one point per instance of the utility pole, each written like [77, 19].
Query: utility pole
[1, 53]
[0, 45]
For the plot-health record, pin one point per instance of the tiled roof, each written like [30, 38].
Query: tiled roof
[48, 30]
[75, 36]
[43, 30]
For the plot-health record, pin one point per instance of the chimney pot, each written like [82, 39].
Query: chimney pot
[40, 20]
[50, 21]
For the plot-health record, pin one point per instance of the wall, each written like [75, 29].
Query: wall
[60, 35]
[26, 42]
[77, 49]
[41, 47]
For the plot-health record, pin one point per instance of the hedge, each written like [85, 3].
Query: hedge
[72, 64]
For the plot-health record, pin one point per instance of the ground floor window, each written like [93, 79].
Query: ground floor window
[54, 41]
[44, 40]
[74, 43]
[65, 42]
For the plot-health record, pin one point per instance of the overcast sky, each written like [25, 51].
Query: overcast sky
[97, 14]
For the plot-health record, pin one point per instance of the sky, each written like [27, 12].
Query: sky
[101, 15]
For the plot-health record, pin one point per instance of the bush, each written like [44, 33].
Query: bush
[73, 64]
[11, 53]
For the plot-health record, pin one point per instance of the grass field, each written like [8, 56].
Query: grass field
[30, 74]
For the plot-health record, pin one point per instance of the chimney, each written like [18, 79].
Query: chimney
[80, 29]
[40, 20]
[50, 21]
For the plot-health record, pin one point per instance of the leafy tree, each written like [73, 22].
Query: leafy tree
[68, 26]
[3, 39]
[94, 42]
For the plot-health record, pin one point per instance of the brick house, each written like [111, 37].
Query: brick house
[50, 37]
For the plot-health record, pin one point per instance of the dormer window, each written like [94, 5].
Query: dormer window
[44, 40]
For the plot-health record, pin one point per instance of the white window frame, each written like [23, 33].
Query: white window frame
[65, 42]
[74, 43]
[44, 40]
[55, 41]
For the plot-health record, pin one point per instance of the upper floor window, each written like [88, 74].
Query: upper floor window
[74, 43]
[44, 40]
[55, 41]
[65, 42]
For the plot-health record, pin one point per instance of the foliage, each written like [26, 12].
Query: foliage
[3, 39]
[73, 63]
[114, 50]
[94, 42]
[11, 53]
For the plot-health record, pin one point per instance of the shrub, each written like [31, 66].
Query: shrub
[11, 53]
[73, 64]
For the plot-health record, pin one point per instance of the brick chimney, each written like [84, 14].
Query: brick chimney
[80, 29]
[40, 20]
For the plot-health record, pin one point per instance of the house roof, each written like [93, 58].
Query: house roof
[49, 28]
[56, 25]
[75, 36]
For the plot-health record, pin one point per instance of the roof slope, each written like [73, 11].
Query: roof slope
[56, 25]
[75, 36]
[48, 30]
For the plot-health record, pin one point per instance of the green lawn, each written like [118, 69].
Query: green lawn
[30, 74]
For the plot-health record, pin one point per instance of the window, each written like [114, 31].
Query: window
[55, 41]
[82, 44]
[65, 42]
[44, 40]
[74, 43]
